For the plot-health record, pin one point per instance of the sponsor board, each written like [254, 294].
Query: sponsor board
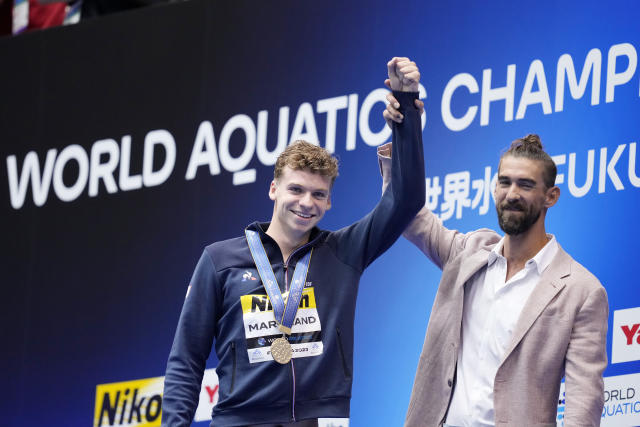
[261, 328]
[625, 345]
[139, 402]
[129, 403]
[621, 402]
[208, 396]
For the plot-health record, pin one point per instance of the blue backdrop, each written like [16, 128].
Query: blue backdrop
[96, 267]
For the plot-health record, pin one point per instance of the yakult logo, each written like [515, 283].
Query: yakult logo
[208, 396]
[630, 333]
[626, 335]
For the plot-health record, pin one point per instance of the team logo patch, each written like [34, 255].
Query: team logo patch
[248, 276]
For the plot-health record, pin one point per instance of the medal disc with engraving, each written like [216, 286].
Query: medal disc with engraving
[281, 351]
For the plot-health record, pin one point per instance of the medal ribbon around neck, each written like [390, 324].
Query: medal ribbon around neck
[285, 313]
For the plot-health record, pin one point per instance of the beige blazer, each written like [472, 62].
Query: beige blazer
[561, 332]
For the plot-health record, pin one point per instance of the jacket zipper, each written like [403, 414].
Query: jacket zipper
[233, 372]
[293, 372]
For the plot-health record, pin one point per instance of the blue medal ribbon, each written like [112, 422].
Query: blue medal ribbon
[284, 313]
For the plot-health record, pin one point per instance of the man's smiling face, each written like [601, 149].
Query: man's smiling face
[300, 200]
[520, 194]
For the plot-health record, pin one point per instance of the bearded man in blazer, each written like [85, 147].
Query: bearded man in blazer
[513, 315]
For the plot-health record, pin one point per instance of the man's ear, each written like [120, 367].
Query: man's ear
[328, 202]
[552, 196]
[272, 190]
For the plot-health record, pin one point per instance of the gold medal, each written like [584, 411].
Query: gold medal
[281, 350]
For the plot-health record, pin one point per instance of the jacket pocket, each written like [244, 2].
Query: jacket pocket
[345, 367]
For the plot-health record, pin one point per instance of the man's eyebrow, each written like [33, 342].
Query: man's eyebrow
[519, 180]
[295, 184]
[527, 181]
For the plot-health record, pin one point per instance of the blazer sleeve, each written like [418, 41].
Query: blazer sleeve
[436, 241]
[191, 346]
[585, 362]
[427, 232]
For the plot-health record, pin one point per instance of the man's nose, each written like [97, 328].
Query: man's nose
[306, 200]
[513, 193]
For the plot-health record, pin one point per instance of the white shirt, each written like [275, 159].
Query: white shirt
[490, 313]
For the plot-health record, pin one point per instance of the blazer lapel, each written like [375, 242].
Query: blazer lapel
[550, 284]
[471, 264]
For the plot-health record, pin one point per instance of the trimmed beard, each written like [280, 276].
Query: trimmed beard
[516, 225]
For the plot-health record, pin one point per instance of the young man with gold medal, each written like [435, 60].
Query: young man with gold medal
[285, 358]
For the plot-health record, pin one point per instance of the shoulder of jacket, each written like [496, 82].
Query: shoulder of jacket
[222, 252]
[481, 238]
[582, 276]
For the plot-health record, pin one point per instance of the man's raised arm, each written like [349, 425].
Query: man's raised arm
[364, 241]
[425, 231]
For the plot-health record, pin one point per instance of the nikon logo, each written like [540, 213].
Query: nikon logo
[130, 403]
[262, 303]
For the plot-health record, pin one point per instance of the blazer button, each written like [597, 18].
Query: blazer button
[449, 382]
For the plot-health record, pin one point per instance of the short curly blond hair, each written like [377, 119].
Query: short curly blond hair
[302, 155]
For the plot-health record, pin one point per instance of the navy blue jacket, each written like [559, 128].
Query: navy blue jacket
[306, 387]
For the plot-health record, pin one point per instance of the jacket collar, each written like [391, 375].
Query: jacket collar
[541, 260]
[473, 264]
[273, 250]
